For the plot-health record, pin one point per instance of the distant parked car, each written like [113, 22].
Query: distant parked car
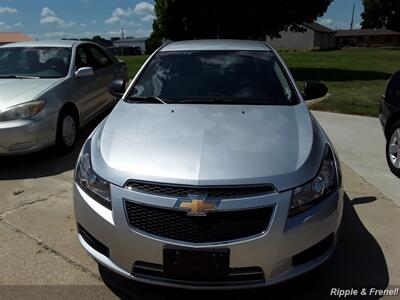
[48, 90]
[390, 119]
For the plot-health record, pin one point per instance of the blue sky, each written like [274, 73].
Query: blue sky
[55, 19]
[339, 13]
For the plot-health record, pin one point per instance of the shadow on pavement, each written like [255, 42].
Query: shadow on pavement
[363, 200]
[47, 162]
[357, 263]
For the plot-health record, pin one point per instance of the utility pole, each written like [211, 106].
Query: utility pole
[352, 16]
[122, 36]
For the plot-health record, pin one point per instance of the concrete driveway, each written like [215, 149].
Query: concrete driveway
[361, 145]
[41, 258]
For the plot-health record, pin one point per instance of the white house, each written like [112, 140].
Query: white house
[131, 42]
[314, 36]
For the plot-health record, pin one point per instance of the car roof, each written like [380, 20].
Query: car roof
[59, 43]
[217, 45]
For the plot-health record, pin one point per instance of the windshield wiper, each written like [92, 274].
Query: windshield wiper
[226, 101]
[208, 100]
[150, 98]
[231, 101]
[19, 77]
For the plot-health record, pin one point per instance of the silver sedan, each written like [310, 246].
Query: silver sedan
[210, 173]
[51, 89]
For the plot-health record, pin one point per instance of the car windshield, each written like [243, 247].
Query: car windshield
[27, 62]
[219, 77]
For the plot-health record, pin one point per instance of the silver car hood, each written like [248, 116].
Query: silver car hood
[209, 145]
[16, 91]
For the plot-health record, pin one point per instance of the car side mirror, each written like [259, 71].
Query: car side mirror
[117, 88]
[84, 72]
[314, 90]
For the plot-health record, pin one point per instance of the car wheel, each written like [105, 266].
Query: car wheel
[393, 149]
[67, 130]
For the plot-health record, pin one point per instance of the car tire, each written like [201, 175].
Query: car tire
[393, 153]
[67, 130]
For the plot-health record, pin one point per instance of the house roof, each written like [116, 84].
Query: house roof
[365, 32]
[10, 37]
[318, 27]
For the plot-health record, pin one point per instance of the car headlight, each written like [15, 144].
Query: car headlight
[91, 183]
[316, 190]
[22, 111]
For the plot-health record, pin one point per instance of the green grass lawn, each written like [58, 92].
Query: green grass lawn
[134, 63]
[356, 78]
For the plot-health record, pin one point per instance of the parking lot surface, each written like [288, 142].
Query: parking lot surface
[40, 256]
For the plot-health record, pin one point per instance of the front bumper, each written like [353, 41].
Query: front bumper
[272, 251]
[27, 135]
[384, 115]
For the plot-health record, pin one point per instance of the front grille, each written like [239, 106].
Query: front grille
[236, 276]
[221, 192]
[93, 242]
[314, 251]
[216, 226]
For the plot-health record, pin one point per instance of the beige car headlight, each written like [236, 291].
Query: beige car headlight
[22, 111]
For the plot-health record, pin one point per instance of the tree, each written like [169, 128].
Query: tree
[101, 41]
[251, 19]
[381, 14]
[155, 40]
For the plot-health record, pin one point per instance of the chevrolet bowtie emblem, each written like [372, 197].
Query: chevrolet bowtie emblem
[197, 205]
